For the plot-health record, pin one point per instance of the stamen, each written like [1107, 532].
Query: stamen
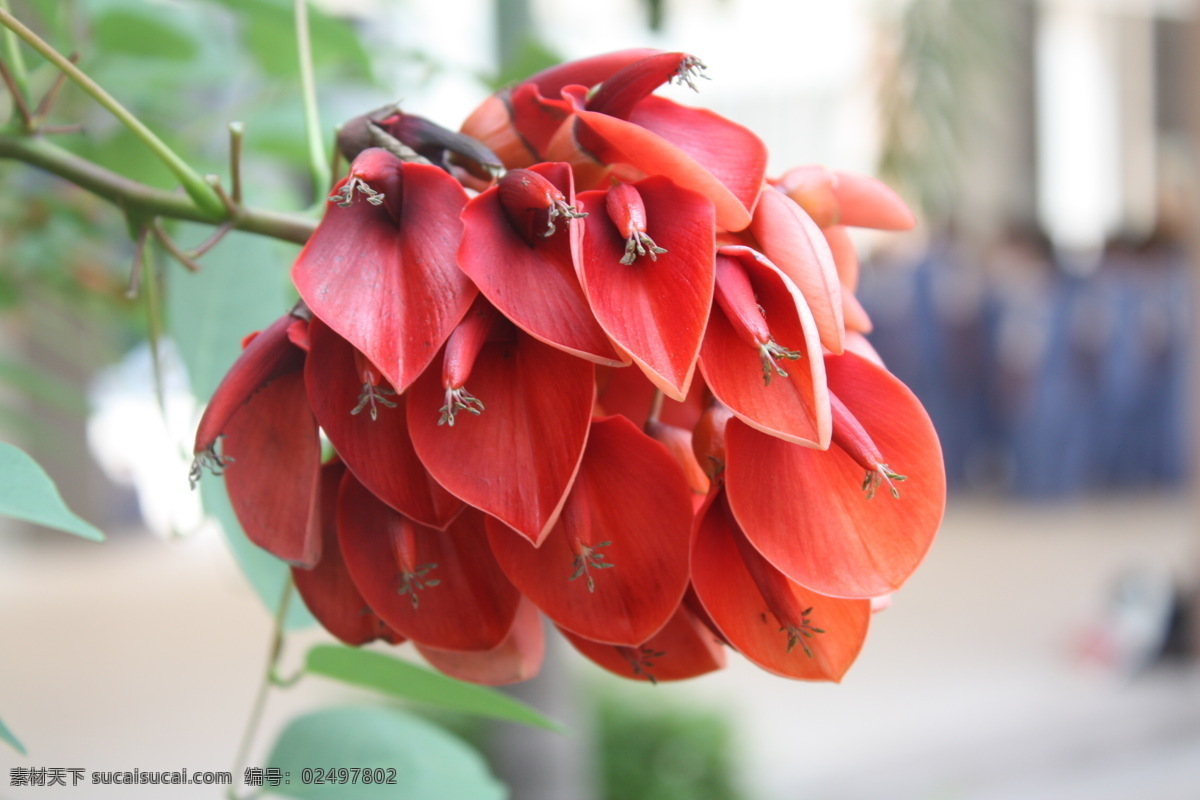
[560, 208]
[881, 474]
[410, 582]
[372, 394]
[639, 659]
[691, 69]
[345, 195]
[587, 558]
[640, 244]
[771, 350]
[207, 459]
[458, 400]
[798, 633]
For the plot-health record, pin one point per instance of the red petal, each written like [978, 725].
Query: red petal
[805, 510]
[439, 588]
[621, 91]
[854, 314]
[845, 256]
[683, 649]
[655, 308]
[736, 605]
[795, 407]
[265, 356]
[274, 457]
[629, 510]
[327, 589]
[695, 148]
[535, 287]
[517, 458]
[586, 71]
[385, 276]
[795, 244]
[517, 658]
[378, 451]
[626, 391]
[865, 202]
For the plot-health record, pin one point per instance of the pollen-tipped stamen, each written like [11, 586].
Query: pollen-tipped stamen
[561, 208]
[771, 350]
[411, 582]
[458, 400]
[372, 396]
[586, 559]
[798, 633]
[639, 659]
[882, 474]
[689, 70]
[345, 195]
[207, 459]
[640, 244]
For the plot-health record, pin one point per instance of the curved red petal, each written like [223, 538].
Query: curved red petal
[845, 256]
[656, 307]
[806, 511]
[735, 604]
[266, 356]
[274, 460]
[614, 567]
[638, 143]
[793, 406]
[792, 242]
[535, 287]
[516, 459]
[683, 649]
[327, 589]
[864, 202]
[388, 284]
[442, 589]
[373, 441]
[517, 658]
[587, 71]
[627, 391]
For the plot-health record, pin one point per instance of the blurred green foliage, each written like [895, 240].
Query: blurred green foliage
[656, 752]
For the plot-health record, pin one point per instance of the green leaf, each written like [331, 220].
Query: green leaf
[425, 761]
[397, 678]
[7, 736]
[269, 29]
[146, 31]
[26, 492]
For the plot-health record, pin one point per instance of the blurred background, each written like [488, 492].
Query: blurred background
[1042, 310]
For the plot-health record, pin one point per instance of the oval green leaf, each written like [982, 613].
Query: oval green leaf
[391, 676]
[26, 492]
[423, 760]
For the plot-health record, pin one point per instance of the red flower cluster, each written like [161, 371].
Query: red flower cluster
[502, 351]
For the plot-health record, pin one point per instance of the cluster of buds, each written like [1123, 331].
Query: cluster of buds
[583, 359]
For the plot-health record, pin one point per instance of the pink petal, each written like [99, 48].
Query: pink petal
[517, 658]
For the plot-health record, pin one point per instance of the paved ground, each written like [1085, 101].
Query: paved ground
[142, 653]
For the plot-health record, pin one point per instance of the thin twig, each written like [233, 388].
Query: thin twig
[264, 687]
[236, 131]
[231, 207]
[169, 245]
[211, 242]
[147, 201]
[47, 102]
[18, 97]
[135, 273]
[12, 50]
[308, 91]
[191, 181]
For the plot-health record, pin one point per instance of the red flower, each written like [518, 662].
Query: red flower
[645, 411]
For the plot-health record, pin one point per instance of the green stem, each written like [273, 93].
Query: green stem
[200, 192]
[264, 687]
[12, 54]
[139, 199]
[312, 120]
